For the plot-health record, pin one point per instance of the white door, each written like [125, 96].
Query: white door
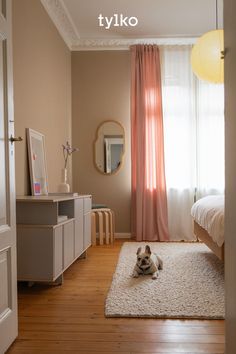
[230, 173]
[8, 286]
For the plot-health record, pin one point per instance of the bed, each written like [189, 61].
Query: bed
[208, 216]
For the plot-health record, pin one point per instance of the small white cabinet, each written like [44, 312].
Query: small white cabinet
[52, 232]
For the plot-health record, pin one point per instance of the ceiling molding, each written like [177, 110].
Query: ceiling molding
[124, 44]
[62, 20]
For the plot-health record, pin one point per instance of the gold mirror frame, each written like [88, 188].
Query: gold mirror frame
[95, 142]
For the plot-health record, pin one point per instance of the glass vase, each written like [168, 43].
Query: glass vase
[64, 187]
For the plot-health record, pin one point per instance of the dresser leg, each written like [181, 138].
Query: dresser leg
[59, 280]
[83, 255]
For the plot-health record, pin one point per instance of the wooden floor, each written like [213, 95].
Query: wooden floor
[70, 318]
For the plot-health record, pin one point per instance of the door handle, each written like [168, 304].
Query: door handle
[13, 140]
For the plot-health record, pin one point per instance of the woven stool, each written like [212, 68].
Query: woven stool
[104, 218]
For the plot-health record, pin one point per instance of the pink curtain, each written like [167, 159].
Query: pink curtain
[149, 201]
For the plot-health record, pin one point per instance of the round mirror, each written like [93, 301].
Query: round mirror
[109, 147]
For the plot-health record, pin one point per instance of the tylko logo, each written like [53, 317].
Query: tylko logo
[117, 21]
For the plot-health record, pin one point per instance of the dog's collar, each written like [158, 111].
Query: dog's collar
[144, 270]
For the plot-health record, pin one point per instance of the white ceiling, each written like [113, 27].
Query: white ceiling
[77, 20]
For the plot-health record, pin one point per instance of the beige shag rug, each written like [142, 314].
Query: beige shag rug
[191, 284]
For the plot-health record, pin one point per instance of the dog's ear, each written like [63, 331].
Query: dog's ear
[138, 251]
[147, 249]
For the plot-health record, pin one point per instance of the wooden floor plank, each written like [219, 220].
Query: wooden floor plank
[116, 328]
[70, 318]
[122, 337]
[129, 321]
[120, 347]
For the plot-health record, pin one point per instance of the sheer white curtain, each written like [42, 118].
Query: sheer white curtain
[194, 138]
[210, 139]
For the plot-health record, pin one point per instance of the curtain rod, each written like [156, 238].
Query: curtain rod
[124, 44]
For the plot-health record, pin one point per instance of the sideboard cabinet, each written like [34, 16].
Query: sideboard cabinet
[52, 232]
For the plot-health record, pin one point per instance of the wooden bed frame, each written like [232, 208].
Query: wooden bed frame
[203, 236]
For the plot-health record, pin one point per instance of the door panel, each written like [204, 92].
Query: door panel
[5, 282]
[8, 288]
[3, 209]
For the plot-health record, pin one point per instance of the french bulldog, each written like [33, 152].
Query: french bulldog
[147, 263]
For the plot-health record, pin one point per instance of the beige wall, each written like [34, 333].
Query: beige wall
[101, 91]
[42, 88]
[230, 164]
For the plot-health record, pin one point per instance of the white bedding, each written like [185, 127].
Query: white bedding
[208, 212]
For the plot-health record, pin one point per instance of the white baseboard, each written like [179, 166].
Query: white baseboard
[122, 235]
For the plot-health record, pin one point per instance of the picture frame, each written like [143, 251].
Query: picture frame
[37, 162]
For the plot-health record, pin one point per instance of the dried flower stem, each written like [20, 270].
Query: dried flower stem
[67, 151]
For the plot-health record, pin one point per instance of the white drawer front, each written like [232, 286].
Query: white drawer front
[68, 243]
[79, 208]
[87, 205]
[87, 230]
[79, 237]
[57, 249]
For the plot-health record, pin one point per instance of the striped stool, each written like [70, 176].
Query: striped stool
[104, 218]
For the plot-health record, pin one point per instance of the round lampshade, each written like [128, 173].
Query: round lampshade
[206, 55]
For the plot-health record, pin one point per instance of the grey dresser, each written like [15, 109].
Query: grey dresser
[52, 232]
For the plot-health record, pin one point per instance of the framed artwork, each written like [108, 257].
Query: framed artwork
[37, 162]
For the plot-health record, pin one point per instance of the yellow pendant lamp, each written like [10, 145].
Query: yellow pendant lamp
[207, 57]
